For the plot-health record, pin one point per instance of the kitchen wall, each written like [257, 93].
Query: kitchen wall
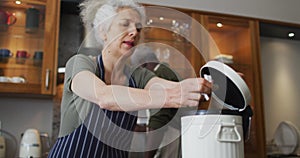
[277, 10]
[20, 113]
[281, 82]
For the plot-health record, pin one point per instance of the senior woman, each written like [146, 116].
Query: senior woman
[98, 116]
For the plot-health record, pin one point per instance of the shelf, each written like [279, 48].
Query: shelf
[20, 88]
[20, 63]
[182, 41]
[28, 69]
[160, 34]
[226, 21]
[20, 32]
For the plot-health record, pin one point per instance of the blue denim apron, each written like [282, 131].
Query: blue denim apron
[90, 139]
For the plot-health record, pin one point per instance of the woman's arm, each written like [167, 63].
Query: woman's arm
[185, 93]
[158, 93]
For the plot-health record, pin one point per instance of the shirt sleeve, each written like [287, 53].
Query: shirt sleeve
[76, 64]
[163, 116]
[141, 76]
[73, 108]
[167, 73]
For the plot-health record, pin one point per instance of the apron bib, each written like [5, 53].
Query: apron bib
[101, 135]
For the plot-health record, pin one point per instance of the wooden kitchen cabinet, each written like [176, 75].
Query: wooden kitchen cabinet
[39, 73]
[239, 38]
[237, 43]
[167, 31]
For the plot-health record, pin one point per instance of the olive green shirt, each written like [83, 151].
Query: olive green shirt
[161, 117]
[74, 109]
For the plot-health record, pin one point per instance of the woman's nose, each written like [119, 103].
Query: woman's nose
[134, 31]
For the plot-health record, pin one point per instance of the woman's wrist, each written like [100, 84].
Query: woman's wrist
[158, 97]
[173, 97]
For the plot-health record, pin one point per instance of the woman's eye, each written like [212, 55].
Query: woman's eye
[139, 27]
[125, 23]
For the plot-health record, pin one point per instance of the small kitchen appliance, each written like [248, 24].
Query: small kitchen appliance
[2, 147]
[287, 139]
[30, 145]
[2, 144]
[7, 141]
[219, 131]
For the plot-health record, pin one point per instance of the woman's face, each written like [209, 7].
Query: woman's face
[123, 33]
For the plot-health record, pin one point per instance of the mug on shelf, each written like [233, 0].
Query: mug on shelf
[7, 18]
[21, 56]
[4, 55]
[38, 55]
[33, 19]
[37, 58]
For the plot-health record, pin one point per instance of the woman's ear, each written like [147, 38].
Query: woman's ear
[102, 34]
[104, 37]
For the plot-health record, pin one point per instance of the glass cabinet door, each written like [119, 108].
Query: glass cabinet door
[167, 31]
[237, 39]
[26, 41]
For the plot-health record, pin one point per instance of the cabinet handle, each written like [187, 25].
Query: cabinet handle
[47, 79]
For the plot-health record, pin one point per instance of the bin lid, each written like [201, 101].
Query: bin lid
[229, 89]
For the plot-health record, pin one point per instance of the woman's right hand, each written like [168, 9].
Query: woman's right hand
[187, 93]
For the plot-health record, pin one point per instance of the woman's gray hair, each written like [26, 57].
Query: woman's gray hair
[99, 13]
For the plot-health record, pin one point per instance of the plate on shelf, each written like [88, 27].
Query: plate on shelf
[287, 138]
[5, 79]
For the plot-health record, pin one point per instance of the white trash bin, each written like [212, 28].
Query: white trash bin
[212, 136]
[217, 133]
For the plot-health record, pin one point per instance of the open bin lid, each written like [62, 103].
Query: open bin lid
[229, 89]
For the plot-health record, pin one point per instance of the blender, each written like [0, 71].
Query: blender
[30, 145]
